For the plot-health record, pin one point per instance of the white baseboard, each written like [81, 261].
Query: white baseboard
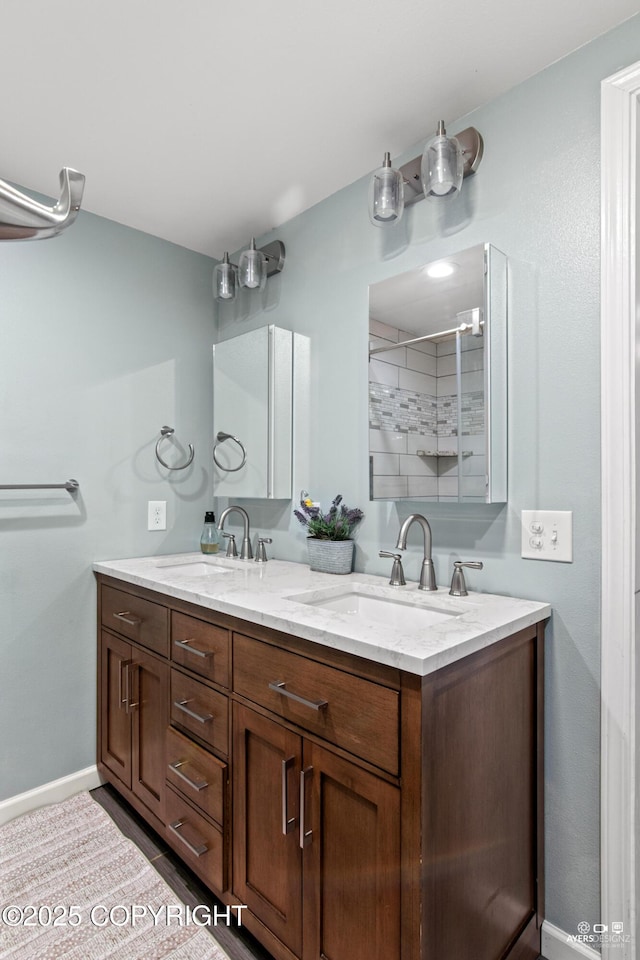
[556, 945]
[52, 792]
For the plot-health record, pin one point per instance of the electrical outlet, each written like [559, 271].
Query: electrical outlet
[157, 515]
[547, 535]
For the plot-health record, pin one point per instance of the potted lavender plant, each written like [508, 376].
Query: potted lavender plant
[329, 539]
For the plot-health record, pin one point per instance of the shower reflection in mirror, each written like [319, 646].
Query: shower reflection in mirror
[438, 381]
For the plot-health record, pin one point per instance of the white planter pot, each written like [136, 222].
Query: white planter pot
[330, 556]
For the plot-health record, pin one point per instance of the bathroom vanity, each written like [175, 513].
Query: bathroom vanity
[360, 766]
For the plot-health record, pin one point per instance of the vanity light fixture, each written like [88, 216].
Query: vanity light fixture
[442, 166]
[436, 174]
[255, 266]
[386, 194]
[252, 268]
[224, 279]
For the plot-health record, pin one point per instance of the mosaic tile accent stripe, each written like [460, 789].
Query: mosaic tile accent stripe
[393, 408]
[472, 414]
[405, 411]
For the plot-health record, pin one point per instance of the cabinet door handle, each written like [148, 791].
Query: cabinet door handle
[278, 686]
[123, 688]
[306, 836]
[128, 618]
[184, 645]
[199, 850]
[288, 823]
[182, 705]
[131, 666]
[196, 784]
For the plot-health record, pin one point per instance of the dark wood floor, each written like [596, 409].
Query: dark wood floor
[235, 940]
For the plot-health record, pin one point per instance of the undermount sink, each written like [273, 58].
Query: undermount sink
[192, 568]
[372, 604]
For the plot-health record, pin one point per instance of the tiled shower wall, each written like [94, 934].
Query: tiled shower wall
[413, 416]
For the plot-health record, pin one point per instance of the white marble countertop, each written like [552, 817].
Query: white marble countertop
[269, 594]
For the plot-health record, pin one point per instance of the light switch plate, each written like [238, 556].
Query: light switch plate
[547, 535]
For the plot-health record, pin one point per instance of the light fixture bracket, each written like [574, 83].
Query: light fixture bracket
[472, 149]
[274, 252]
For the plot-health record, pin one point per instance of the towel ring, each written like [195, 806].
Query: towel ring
[221, 437]
[167, 432]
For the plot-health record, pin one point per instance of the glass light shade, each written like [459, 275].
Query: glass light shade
[224, 280]
[252, 268]
[442, 166]
[386, 194]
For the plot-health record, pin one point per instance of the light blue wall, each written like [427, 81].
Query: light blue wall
[536, 197]
[105, 336]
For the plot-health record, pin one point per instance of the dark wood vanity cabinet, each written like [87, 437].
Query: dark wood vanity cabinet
[163, 721]
[133, 695]
[356, 810]
[316, 850]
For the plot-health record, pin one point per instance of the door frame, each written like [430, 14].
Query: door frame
[620, 103]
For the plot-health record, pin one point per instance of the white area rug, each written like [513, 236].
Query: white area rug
[69, 881]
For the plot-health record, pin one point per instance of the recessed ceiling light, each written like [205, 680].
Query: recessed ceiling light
[443, 268]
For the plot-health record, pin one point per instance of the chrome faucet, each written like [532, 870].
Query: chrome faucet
[246, 553]
[427, 573]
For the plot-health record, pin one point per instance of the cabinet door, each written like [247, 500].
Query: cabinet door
[266, 854]
[115, 714]
[149, 710]
[252, 400]
[351, 860]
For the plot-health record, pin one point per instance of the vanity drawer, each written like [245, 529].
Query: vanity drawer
[358, 715]
[199, 843]
[200, 646]
[196, 774]
[140, 620]
[201, 710]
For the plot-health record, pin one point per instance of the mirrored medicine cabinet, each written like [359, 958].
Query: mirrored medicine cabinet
[438, 381]
[253, 377]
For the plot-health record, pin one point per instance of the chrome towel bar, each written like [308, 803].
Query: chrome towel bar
[70, 485]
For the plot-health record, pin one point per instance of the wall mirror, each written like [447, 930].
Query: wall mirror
[438, 381]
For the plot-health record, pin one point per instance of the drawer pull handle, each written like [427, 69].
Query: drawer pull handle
[126, 616]
[306, 836]
[199, 850]
[182, 705]
[288, 823]
[184, 645]
[279, 687]
[196, 784]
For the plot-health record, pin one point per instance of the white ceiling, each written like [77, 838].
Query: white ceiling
[205, 122]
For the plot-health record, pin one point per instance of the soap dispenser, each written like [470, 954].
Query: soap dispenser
[210, 538]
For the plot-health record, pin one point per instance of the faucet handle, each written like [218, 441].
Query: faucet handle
[458, 585]
[231, 546]
[397, 573]
[261, 555]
